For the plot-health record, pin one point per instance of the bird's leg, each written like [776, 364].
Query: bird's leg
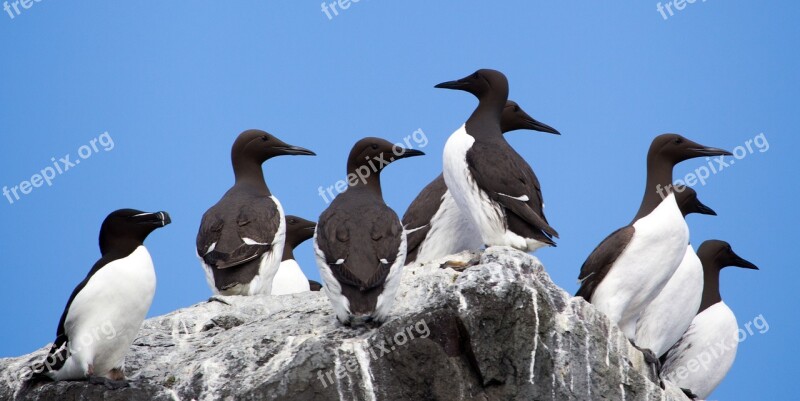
[460, 266]
[651, 358]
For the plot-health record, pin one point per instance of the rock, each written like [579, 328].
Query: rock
[500, 330]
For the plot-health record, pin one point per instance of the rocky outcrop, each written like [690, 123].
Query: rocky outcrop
[500, 330]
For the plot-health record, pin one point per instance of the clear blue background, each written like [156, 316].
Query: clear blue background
[173, 84]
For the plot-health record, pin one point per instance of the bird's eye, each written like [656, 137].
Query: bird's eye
[374, 146]
[678, 140]
[516, 109]
[292, 221]
[264, 138]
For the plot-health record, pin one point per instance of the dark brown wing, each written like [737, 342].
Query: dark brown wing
[228, 225]
[361, 241]
[599, 262]
[509, 180]
[419, 215]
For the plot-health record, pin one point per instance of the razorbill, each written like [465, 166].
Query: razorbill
[240, 241]
[666, 318]
[290, 278]
[489, 181]
[359, 242]
[104, 312]
[434, 224]
[713, 333]
[633, 264]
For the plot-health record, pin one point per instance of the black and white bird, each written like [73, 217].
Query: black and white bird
[434, 224]
[106, 309]
[489, 181]
[290, 278]
[713, 333]
[241, 238]
[359, 243]
[633, 264]
[665, 319]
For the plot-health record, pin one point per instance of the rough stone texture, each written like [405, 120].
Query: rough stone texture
[500, 330]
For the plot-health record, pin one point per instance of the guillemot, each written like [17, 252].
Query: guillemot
[435, 225]
[713, 333]
[359, 242]
[633, 264]
[290, 278]
[489, 181]
[241, 237]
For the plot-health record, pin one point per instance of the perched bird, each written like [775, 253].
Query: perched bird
[359, 243]
[633, 264]
[434, 224]
[241, 238]
[713, 333]
[290, 278]
[106, 309]
[489, 181]
[666, 318]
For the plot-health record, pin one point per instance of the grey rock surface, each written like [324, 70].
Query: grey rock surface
[500, 330]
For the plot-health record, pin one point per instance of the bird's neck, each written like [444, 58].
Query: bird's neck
[288, 252]
[658, 187]
[711, 293]
[371, 183]
[248, 174]
[484, 123]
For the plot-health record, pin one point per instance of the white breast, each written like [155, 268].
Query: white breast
[105, 316]
[289, 279]
[486, 215]
[664, 320]
[451, 232]
[643, 269]
[705, 353]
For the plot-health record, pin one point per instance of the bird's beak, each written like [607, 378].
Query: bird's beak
[535, 125]
[703, 209]
[738, 261]
[160, 219]
[295, 151]
[700, 150]
[409, 153]
[460, 84]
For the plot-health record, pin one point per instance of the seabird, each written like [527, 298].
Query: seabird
[713, 333]
[104, 312]
[489, 181]
[666, 318]
[359, 242]
[290, 278]
[633, 264]
[434, 224]
[241, 238]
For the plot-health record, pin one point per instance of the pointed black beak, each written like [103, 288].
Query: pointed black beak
[160, 219]
[535, 125]
[738, 261]
[458, 85]
[295, 151]
[409, 153]
[701, 150]
[703, 209]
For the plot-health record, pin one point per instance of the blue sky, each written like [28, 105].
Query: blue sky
[174, 84]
